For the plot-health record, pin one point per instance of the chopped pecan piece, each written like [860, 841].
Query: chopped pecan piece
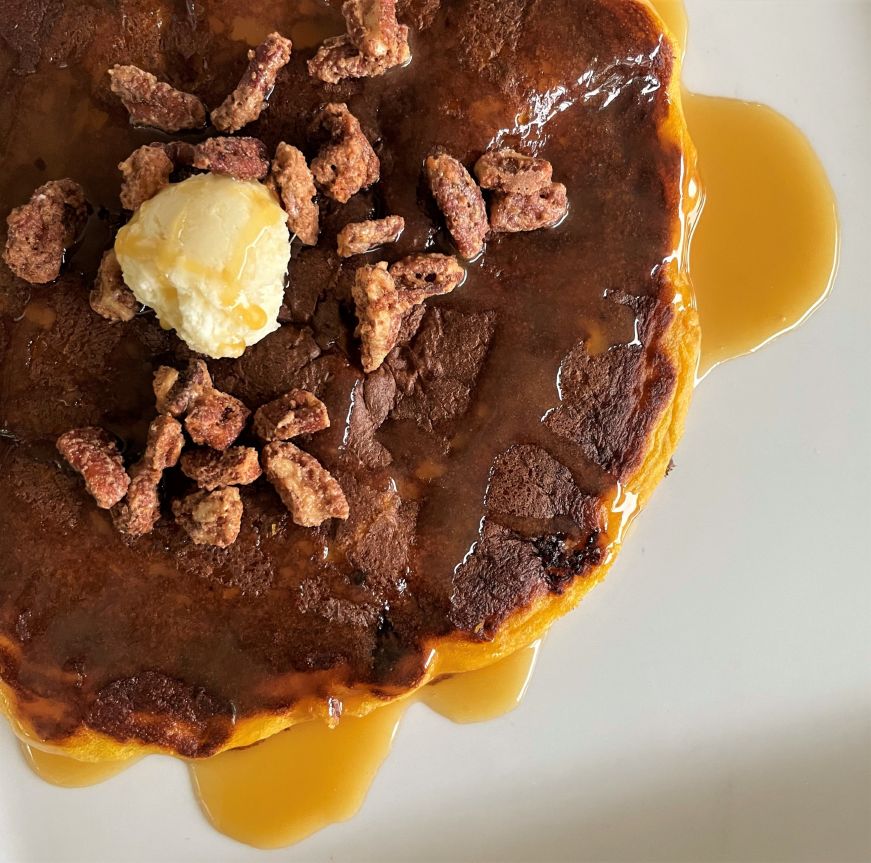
[216, 419]
[294, 184]
[305, 486]
[542, 209]
[93, 453]
[239, 465]
[372, 26]
[110, 297]
[247, 101]
[507, 170]
[41, 230]
[295, 413]
[426, 275]
[356, 238]
[460, 200]
[176, 393]
[242, 158]
[137, 514]
[144, 173]
[337, 59]
[379, 312]
[210, 517]
[346, 163]
[164, 444]
[153, 103]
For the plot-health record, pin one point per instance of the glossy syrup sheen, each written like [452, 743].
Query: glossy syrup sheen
[762, 257]
[765, 250]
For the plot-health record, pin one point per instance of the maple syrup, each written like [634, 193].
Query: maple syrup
[297, 782]
[765, 251]
[69, 772]
[763, 256]
[477, 696]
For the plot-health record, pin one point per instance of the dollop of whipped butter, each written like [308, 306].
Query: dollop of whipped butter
[209, 255]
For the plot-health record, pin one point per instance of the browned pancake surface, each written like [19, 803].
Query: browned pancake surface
[540, 377]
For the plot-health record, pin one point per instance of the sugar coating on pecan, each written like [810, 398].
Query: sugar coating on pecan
[356, 238]
[506, 170]
[338, 59]
[216, 419]
[93, 453]
[242, 158]
[374, 42]
[426, 275]
[144, 173]
[247, 101]
[154, 103]
[41, 230]
[460, 200]
[210, 517]
[379, 313]
[164, 444]
[511, 212]
[175, 392]
[305, 486]
[291, 179]
[110, 297]
[295, 413]
[238, 465]
[372, 26]
[137, 514]
[346, 162]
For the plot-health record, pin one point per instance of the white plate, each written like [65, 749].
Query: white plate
[712, 700]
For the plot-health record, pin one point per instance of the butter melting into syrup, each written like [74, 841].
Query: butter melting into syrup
[763, 256]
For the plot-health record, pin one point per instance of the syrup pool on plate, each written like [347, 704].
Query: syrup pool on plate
[762, 257]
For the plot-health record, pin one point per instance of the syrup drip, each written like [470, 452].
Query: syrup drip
[68, 772]
[765, 251]
[763, 257]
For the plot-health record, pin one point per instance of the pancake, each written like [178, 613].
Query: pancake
[491, 463]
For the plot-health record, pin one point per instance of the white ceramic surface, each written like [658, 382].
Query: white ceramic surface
[711, 701]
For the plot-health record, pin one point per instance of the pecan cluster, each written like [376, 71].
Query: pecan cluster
[187, 402]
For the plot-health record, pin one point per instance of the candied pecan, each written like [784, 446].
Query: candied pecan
[144, 173]
[542, 209]
[137, 514]
[294, 184]
[338, 58]
[359, 237]
[176, 393]
[372, 25]
[346, 163]
[216, 419]
[93, 453]
[210, 517]
[304, 485]
[248, 100]
[460, 200]
[41, 230]
[110, 297]
[239, 465]
[164, 444]
[153, 103]
[426, 275]
[295, 413]
[506, 170]
[379, 312]
[242, 158]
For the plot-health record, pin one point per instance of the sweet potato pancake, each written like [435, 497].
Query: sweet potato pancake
[492, 421]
